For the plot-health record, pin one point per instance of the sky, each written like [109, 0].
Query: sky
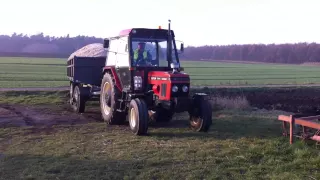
[196, 23]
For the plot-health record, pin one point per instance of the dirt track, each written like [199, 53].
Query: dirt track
[21, 115]
[45, 117]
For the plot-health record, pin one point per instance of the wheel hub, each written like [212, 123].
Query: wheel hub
[132, 118]
[75, 97]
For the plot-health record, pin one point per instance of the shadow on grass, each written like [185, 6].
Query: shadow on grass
[60, 167]
[233, 127]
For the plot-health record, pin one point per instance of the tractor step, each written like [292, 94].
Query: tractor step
[119, 110]
[96, 93]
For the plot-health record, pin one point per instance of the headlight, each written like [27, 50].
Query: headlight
[137, 82]
[185, 88]
[174, 88]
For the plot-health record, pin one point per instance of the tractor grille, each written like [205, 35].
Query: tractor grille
[163, 90]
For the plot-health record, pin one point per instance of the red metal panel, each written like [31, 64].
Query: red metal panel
[301, 121]
[115, 76]
[315, 138]
[166, 74]
[305, 122]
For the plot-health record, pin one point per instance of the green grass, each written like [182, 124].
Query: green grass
[48, 72]
[240, 145]
[33, 98]
[32, 72]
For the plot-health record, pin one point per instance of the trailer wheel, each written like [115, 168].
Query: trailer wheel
[201, 115]
[71, 93]
[78, 100]
[109, 101]
[138, 116]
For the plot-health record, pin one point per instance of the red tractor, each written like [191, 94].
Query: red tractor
[139, 80]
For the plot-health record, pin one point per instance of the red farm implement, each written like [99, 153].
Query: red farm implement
[301, 126]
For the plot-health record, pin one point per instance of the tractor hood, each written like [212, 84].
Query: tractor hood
[168, 85]
[177, 77]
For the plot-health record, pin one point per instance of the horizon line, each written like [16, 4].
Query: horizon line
[97, 37]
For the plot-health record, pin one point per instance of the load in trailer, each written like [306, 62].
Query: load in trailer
[139, 79]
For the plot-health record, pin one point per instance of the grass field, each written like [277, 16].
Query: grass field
[36, 72]
[241, 144]
[32, 72]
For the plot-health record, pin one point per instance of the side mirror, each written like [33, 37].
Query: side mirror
[106, 43]
[175, 67]
[181, 47]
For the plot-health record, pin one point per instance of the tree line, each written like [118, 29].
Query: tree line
[270, 53]
[22, 45]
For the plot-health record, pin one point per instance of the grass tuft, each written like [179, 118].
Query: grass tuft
[239, 102]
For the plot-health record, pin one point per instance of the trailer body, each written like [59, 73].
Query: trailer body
[86, 70]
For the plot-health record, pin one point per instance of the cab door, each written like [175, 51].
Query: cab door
[112, 52]
[122, 63]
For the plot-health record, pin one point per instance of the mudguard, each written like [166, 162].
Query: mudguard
[112, 69]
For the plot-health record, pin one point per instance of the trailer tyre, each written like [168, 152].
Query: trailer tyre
[138, 117]
[78, 99]
[109, 101]
[200, 115]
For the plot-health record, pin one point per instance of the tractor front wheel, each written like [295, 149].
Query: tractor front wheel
[138, 116]
[201, 115]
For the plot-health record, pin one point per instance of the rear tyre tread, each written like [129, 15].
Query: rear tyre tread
[114, 117]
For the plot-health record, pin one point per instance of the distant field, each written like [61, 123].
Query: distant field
[218, 73]
[47, 72]
[32, 72]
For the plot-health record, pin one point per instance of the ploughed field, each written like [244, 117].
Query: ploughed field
[40, 138]
[50, 72]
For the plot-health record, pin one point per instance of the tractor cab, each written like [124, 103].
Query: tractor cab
[151, 48]
[141, 47]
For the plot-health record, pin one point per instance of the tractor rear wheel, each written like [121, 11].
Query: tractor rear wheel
[138, 116]
[201, 115]
[109, 97]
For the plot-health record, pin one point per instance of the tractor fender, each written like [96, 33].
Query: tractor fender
[196, 101]
[198, 96]
[112, 71]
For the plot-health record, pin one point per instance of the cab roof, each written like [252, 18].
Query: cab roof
[126, 32]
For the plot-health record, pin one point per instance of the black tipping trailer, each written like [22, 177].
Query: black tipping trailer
[85, 75]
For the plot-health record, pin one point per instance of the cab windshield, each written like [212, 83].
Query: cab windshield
[151, 52]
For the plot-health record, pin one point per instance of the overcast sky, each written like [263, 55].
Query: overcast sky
[200, 22]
